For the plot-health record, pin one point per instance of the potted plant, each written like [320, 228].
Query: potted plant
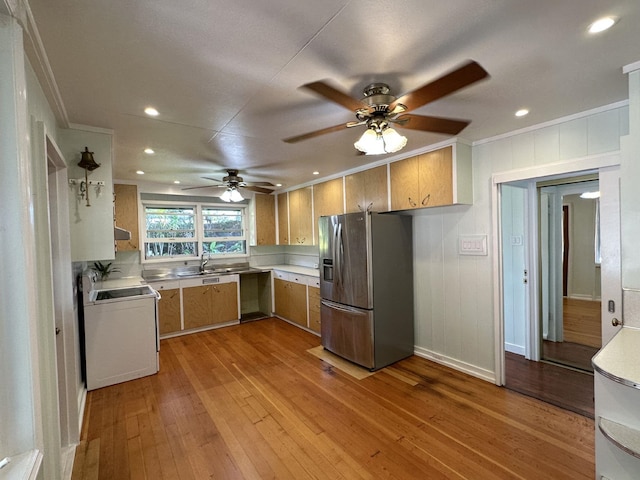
[104, 269]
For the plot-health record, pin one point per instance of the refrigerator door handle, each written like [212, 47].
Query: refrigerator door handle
[343, 308]
[340, 252]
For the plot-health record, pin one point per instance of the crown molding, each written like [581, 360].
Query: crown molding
[37, 57]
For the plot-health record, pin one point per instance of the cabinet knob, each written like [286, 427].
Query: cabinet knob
[615, 322]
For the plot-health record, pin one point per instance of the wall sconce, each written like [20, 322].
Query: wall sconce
[89, 164]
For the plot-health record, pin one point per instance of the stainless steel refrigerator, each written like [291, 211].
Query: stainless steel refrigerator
[366, 285]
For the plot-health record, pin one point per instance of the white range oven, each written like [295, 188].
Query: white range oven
[121, 333]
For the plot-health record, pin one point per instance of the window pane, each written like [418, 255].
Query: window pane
[222, 223]
[169, 249]
[224, 247]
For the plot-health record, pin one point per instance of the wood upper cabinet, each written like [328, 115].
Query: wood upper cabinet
[328, 199]
[265, 219]
[169, 311]
[367, 190]
[126, 214]
[300, 218]
[441, 177]
[283, 219]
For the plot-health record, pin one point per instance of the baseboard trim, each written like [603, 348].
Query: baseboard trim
[512, 348]
[474, 371]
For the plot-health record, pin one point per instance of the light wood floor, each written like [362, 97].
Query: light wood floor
[582, 322]
[250, 402]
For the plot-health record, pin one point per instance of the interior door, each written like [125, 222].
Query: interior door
[610, 274]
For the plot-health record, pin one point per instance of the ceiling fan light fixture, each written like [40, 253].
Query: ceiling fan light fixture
[231, 194]
[374, 143]
[393, 141]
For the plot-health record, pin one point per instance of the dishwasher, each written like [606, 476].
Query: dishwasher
[120, 335]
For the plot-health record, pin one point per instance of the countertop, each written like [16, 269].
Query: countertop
[619, 360]
[312, 272]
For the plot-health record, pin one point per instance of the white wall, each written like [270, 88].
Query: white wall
[454, 294]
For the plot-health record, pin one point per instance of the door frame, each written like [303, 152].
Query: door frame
[572, 167]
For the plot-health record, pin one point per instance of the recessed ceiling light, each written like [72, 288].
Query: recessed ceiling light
[151, 111]
[149, 151]
[176, 181]
[522, 112]
[140, 172]
[590, 195]
[602, 24]
[278, 184]
[316, 173]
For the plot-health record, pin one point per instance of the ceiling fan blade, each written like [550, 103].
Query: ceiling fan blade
[261, 184]
[335, 95]
[213, 179]
[202, 186]
[431, 124]
[257, 189]
[469, 73]
[317, 133]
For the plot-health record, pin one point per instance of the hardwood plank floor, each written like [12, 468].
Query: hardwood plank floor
[581, 321]
[551, 383]
[249, 401]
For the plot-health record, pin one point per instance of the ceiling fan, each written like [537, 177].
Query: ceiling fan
[232, 182]
[379, 108]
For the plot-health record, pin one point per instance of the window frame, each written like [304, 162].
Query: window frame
[199, 234]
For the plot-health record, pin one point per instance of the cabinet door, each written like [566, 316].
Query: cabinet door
[300, 218]
[405, 191]
[197, 306]
[265, 219]
[281, 298]
[298, 303]
[436, 178]
[224, 303]
[328, 199]
[126, 213]
[367, 190]
[169, 311]
[283, 219]
[314, 309]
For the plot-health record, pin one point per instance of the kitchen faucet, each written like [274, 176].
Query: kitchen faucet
[203, 262]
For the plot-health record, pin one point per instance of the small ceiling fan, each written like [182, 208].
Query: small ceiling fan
[232, 182]
[379, 108]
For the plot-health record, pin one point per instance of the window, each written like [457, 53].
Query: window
[223, 231]
[186, 231]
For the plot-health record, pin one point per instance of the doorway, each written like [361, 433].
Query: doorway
[534, 274]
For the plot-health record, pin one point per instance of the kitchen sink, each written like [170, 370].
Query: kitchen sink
[194, 272]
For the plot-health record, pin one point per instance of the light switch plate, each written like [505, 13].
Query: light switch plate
[472, 244]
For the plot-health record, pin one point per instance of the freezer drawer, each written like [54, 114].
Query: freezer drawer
[348, 332]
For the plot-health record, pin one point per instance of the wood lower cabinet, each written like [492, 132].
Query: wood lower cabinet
[290, 301]
[297, 299]
[314, 309]
[126, 214]
[441, 177]
[210, 304]
[169, 319]
[367, 190]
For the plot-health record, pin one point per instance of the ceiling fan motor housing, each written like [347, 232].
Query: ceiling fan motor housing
[377, 97]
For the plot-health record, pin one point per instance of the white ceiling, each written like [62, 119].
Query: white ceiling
[224, 74]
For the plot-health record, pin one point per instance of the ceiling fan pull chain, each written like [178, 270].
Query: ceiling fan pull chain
[425, 200]
[411, 202]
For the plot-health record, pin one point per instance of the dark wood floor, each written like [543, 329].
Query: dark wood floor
[249, 401]
[560, 386]
[571, 354]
